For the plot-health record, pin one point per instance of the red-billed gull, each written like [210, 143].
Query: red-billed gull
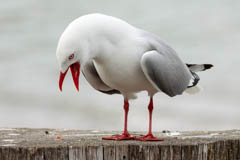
[118, 58]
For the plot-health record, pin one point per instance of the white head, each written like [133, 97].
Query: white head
[71, 52]
[82, 40]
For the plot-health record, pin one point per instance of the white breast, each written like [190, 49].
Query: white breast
[120, 68]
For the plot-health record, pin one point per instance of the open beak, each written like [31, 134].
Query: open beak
[75, 70]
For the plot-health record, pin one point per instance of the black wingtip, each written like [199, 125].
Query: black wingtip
[207, 66]
[196, 79]
[114, 91]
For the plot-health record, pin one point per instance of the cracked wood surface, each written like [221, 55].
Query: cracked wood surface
[61, 144]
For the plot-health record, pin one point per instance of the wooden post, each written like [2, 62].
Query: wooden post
[52, 144]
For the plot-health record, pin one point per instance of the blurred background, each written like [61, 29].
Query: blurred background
[200, 31]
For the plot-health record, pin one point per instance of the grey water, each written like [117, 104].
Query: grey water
[200, 31]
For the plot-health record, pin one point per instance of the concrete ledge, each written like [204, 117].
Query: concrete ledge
[52, 144]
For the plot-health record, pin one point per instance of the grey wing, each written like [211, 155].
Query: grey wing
[92, 76]
[166, 72]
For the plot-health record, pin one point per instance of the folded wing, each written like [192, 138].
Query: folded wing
[92, 76]
[166, 72]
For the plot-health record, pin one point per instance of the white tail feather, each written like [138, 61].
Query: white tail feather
[194, 90]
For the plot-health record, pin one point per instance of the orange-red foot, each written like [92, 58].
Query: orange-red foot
[124, 136]
[148, 137]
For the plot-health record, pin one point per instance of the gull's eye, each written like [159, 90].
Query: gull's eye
[71, 57]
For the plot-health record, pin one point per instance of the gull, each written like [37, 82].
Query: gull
[118, 58]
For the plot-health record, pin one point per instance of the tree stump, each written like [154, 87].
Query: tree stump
[56, 144]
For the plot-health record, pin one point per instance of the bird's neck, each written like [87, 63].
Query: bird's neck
[98, 51]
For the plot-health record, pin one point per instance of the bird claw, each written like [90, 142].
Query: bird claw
[124, 136]
[148, 137]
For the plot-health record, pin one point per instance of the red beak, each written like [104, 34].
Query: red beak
[75, 70]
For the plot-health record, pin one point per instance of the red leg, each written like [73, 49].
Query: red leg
[149, 136]
[125, 135]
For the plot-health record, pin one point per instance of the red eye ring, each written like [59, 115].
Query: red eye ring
[71, 57]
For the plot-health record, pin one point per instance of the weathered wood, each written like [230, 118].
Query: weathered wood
[51, 144]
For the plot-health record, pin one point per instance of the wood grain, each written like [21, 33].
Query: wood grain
[52, 144]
